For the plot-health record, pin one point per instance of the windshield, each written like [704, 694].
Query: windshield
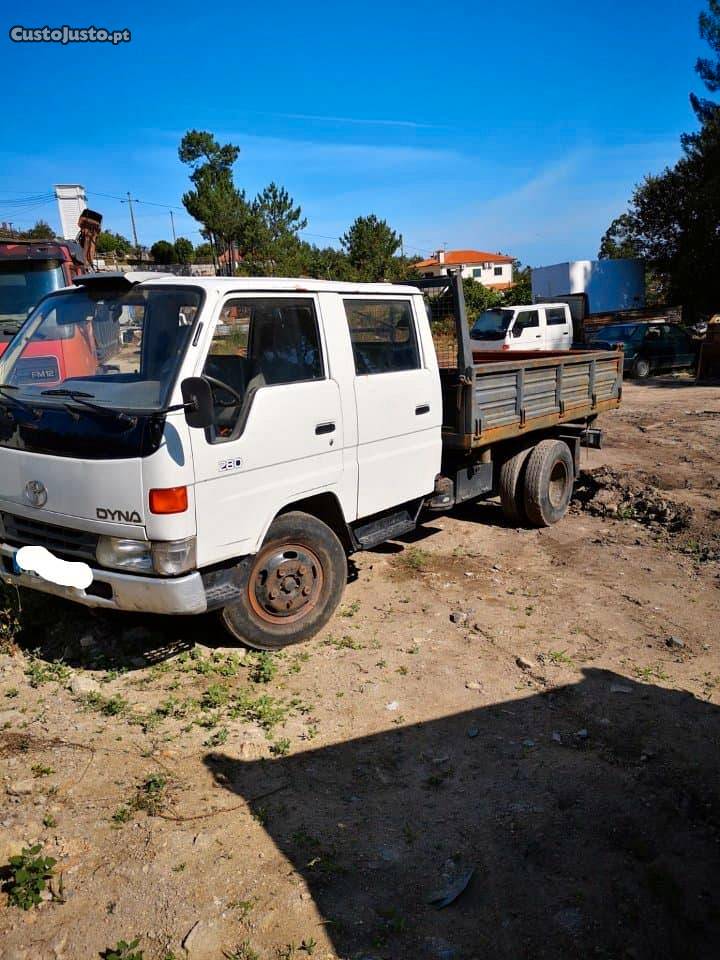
[22, 284]
[491, 325]
[120, 349]
[628, 333]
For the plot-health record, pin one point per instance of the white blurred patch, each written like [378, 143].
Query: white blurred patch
[66, 573]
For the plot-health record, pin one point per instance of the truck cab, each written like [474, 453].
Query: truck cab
[537, 326]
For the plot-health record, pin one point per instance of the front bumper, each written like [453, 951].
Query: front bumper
[113, 590]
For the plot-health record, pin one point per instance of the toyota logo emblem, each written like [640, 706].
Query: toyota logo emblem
[35, 493]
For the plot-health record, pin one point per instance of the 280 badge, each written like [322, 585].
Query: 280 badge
[234, 463]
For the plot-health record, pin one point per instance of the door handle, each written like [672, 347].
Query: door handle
[423, 408]
[325, 428]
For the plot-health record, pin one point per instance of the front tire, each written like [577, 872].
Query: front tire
[641, 368]
[549, 480]
[291, 587]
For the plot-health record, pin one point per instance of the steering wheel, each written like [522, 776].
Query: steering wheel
[214, 382]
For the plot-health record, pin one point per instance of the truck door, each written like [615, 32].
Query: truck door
[278, 431]
[527, 331]
[399, 406]
[558, 328]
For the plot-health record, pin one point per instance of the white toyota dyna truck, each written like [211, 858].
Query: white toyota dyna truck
[179, 445]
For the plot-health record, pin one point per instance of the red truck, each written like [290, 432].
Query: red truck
[29, 269]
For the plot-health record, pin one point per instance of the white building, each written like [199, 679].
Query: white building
[494, 270]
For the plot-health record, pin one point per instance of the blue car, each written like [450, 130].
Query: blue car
[649, 347]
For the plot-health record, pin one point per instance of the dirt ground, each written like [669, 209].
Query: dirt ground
[525, 721]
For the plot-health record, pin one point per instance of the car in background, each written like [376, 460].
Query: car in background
[648, 347]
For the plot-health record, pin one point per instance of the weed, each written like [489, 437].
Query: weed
[652, 672]
[108, 706]
[263, 710]
[215, 696]
[40, 770]
[29, 874]
[121, 815]
[123, 951]
[415, 559]
[11, 692]
[409, 834]
[151, 794]
[382, 664]
[309, 946]
[350, 609]
[344, 643]
[39, 672]
[560, 656]
[179, 867]
[263, 668]
[281, 748]
[260, 814]
[49, 820]
[402, 670]
[288, 952]
[243, 951]
[297, 659]
[218, 738]
[244, 907]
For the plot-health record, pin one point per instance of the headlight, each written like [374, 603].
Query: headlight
[166, 557]
[173, 556]
[132, 555]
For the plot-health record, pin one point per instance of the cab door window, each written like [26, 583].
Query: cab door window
[259, 342]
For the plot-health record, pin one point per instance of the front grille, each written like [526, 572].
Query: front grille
[63, 541]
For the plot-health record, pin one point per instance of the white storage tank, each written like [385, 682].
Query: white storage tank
[608, 285]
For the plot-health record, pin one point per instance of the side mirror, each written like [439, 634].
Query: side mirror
[197, 393]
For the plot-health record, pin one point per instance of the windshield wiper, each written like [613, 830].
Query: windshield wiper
[35, 413]
[85, 400]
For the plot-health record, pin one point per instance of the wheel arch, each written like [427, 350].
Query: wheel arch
[327, 508]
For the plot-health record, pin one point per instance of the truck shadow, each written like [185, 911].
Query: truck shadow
[588, 814]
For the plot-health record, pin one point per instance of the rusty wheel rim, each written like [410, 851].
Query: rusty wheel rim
[285, 583]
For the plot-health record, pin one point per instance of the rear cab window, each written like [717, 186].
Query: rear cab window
[555, 316]
[383, 336]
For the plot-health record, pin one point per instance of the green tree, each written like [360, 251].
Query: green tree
[203, 253]
[370, 245]
[184, 252]
[521, 290]
[41, 231]
[619, 240]
[708, 69]
[162, 252]
[108, 242]
[673, 217]
[215, 201]
[478, 298]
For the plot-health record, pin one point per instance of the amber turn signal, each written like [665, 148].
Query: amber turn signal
[169, 500]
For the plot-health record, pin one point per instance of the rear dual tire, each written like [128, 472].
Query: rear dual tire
[536, 484]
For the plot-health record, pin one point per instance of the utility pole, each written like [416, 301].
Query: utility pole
[132, 221]
[172, 221]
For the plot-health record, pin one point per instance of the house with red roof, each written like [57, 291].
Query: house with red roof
[494, 270]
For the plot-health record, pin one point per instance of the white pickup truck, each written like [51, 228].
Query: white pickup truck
[537, 326]
[241, 437]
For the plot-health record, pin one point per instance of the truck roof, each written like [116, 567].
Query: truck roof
[224, 284]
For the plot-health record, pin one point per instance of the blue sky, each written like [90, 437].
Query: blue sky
[517, 127]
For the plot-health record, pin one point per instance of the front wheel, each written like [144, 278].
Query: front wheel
[291, 588]
[641, 368]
